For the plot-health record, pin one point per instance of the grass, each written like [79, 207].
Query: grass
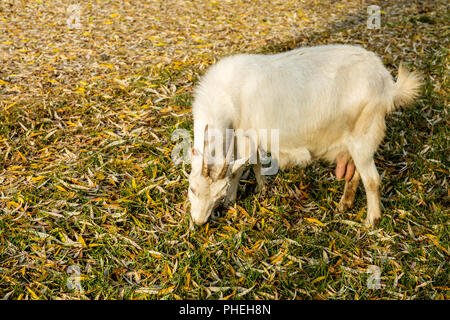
[87, 183]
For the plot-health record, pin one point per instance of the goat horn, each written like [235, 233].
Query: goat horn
[226, 164]
[258, 160]
[205, 161]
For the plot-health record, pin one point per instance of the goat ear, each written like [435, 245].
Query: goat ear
[223, 172]
[242, 162]
[238, 164]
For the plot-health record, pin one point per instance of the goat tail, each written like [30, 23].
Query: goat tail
[406, 89]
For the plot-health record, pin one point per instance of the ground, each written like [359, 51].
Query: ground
[92, 206]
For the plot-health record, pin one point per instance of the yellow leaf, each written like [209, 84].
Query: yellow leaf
[265, 210]
[15, 167]
[257, 244]
[107, 65]
[166, 290]
[436, 243]
[11, 105]
[279, 257]
[21, 155]
[34, 134]
[229, 296]
[13, 203]
[95, 245]
[155, 254]
[188, 280]
[99, 199]
[229, 228]
[168, 270]
[204, 46]
[137, 222]
[32, 294]
[81, 240]
[315, 221]
[318, 279]
[79, 90]
[332, 244]
[37, 178]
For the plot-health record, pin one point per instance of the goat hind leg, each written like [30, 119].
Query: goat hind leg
[349, 192]
[365, 165]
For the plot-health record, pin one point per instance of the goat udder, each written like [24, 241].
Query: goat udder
[345, 168]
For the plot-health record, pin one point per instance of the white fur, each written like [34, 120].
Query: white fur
[325, 101]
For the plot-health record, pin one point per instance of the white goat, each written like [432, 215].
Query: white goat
[328, 102]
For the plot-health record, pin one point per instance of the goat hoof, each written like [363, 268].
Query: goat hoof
[228, 202]
[261, 190]
[371, 222]
[344, 205]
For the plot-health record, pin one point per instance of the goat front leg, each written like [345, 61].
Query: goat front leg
[231, 196]
[260, 179]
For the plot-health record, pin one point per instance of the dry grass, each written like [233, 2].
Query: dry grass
[86, 178]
